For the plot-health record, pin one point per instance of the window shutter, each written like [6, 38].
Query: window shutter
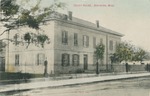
[83, 40]
[72, 59]
[62, 60]
[94, 42]
[62, 36]
[38, 59]
[87, 41]
[78, 60]
[66, 36]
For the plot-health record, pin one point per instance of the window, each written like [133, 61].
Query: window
[75, 39]
[101, 41]
[75, 60]
[64, 37]
[94, 59]
[16, 41]
[116, 45]
[40, 58]
[85, 41]
[94, 42]
[17, 59]
[65, 59]
[111, 45]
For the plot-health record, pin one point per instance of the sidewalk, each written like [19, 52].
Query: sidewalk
[47, 82]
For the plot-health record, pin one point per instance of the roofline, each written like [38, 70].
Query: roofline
[86, 26]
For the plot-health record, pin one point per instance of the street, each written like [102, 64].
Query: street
[130, 87]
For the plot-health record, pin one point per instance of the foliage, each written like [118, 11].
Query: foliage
[127, 52]
[31, 38]
[123, 52]
[22, 14]
[99, 52]
[2, 46]
[114, 58]
[139, 55]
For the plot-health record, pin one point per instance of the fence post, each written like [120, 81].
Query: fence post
[97, 68]
[112, 67]
[147, 67]
[127, 68]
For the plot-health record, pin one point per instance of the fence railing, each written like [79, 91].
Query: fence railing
[105, 68]
[123, 68]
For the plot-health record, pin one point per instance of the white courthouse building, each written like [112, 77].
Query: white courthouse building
[72, 45]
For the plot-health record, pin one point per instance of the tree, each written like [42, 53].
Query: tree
[139, 55]
[17, 15]
[2, 46]
[114, 58]
[123, 52]
[99, 52]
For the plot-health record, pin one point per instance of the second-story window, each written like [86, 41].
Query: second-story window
[64, 37]
[16, 41]
[94, 42]
[111, 45]
[85, 41]
[101, 41]
[75, 39]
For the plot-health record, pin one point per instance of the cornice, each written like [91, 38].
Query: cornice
[86, 26]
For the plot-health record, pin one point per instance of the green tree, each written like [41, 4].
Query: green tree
[99, 53]
[139, 55]
[19, 13]
[123, 52]
[114, 58]
[2, 46]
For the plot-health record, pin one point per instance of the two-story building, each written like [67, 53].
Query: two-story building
[72, 46]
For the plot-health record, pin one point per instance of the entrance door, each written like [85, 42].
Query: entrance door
[85, 61]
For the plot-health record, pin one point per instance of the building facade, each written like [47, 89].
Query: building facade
[71, 48]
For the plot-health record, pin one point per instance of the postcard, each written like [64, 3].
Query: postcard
[74, 47]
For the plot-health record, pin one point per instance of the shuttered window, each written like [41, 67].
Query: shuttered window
[111, 45]
[75, 39]
[40, 58]
[64, 37]
[86, 41]
[94, 42]
[17, 59]
[75, 60]
[65, 59]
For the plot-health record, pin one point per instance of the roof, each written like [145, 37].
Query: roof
[64, 17]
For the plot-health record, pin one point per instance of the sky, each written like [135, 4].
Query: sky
[129, 17]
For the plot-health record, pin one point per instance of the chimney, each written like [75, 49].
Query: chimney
[69, 15]
[97, 23]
